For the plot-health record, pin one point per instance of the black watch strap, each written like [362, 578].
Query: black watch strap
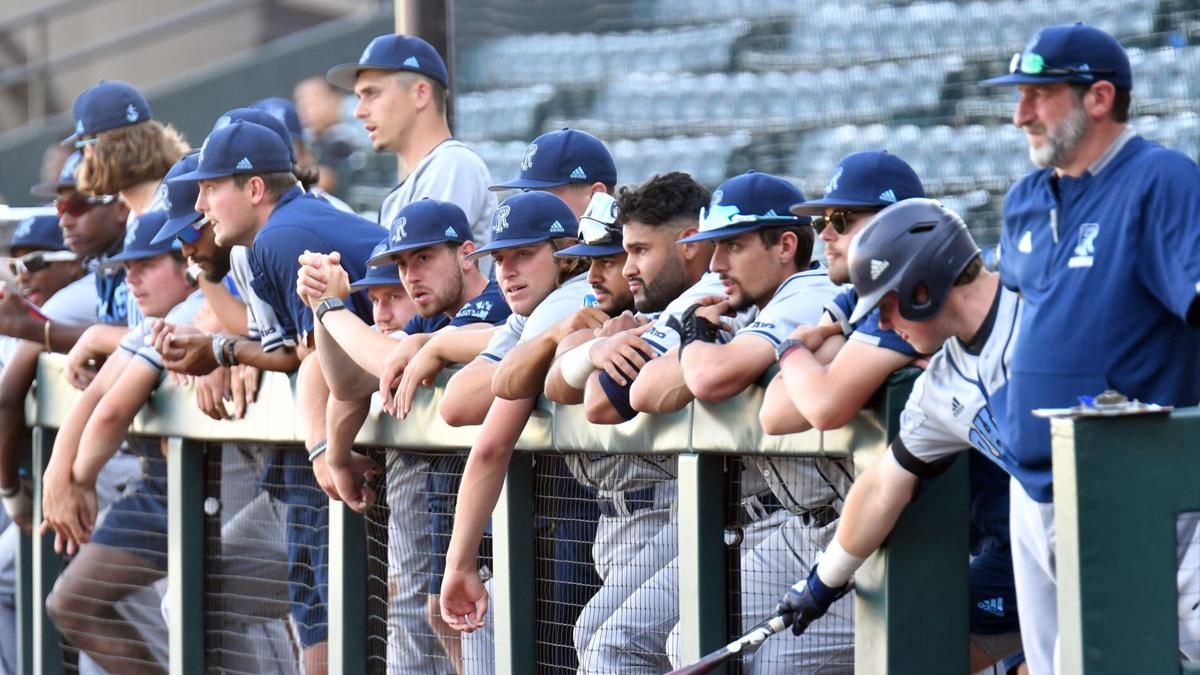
[328, 305]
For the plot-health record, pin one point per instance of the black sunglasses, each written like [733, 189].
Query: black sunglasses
[838, 219]
[37, 261]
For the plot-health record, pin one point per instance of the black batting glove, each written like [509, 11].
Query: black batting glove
[808, 601]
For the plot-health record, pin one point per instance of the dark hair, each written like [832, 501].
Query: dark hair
[275, 183]
[970, 272]
[805, 237]
[407, 78]
[664, 199]
[1120, 105]
[308, 176]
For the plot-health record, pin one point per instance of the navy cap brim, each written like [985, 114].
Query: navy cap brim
[136, 254]
[590, 251]
[722, 233]
[47, 190]
[368, 282]
[528, 184]
[506, 243]
[817, 207]
[173, 226]
[408, 246]
[198, 175]
[1014, 79]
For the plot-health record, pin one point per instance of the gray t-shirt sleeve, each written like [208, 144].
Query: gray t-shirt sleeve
[800, 300]
[504, 338]
[560, 304]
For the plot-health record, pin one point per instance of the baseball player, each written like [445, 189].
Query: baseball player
[128, 549]
[333, 142]
[401, 84]
[930, 286]
[1101, 196]
[828, 372]
[426, 251]
[764, 261]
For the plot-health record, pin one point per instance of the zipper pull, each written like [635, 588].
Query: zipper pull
[1054, 224]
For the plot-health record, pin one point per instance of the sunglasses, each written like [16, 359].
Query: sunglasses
[191, 233]
[78, 205]
[1033, 64]
[598, 225]
[838, 219]
[32, 263]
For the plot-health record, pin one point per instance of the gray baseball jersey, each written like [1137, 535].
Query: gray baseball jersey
[663, 337]
[137, 341]
[560, 304]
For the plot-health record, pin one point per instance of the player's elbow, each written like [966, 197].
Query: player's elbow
[559, 391]
[826, 418]
[779, 422]
[712, 384]
[110, 414]
[601, 411]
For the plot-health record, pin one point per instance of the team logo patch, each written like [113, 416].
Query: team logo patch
[1086, 248]
[878, 267]
[833, 181]
[887, 196]
[579, 173]
[24, 229]
[500, 218]
[131, 114]
[527, 162]
[556, 228]
[164, 197]
[244, 164]
[1026, 243]
[399, 233]
[223, 121]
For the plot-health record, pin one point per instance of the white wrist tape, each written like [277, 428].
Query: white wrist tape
[837, 566]
[577, 364]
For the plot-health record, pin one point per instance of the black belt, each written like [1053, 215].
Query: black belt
[635, 500]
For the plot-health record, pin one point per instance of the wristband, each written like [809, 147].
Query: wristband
[18, 500]
[328, 305]
[317, 450]
[837, 566]
[692, 328]
[577, 364]
[787, 346]
[46, 335]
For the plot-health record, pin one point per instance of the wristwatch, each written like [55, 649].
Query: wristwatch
[786, 346]
[329, 305]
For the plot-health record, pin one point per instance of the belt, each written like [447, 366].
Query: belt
[756, 507]
[626, 503]
[819, 516]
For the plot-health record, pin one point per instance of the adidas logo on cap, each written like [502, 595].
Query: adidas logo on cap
[244, 164]
[450, 232]
[888, 196]
[579, 173]
[877, 268]
[412, 62]
[557, 228]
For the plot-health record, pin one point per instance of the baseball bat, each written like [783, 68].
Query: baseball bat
[746, 644]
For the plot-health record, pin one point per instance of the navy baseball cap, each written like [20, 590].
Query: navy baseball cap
[599, 233]
[139, 239]
[261, 117]
[393, 52]
[108, 104]
[283, 110]
[561, 158]
[1069, 53]
[39, 232]
[66, 178]
[240, 148]
[380, 274]
[424, 222]
[180, 200]
[749, 202]
[874, 179]
[527, 218]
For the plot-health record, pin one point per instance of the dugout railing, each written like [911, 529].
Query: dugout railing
[911, 611]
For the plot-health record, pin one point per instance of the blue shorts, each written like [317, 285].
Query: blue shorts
[137, 521]
[993, 592]
[307, 543]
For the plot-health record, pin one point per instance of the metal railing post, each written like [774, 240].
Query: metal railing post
[514, 586]
[1121, 480]
[185, 554]
[703, 593]
[24, 590]
[47, 645]
[347, 590]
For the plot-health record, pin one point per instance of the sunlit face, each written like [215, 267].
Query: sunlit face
[317, 105]
[387, 107]
[37, 287]
[229, 210]
[91, 233]
[925, 336]
[748, 269]
[837, 246]
[609, 285]
[391, 307]
[1054, 123]
[157, 283]
[654, 266]
[433, 276]
[526, 274]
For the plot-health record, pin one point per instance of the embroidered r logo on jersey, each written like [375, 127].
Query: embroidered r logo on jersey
[1086, 248]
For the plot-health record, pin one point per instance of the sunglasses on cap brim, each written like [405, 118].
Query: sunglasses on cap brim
[37, 261]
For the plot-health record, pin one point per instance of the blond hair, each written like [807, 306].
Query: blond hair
[129, 155]
[569, 266]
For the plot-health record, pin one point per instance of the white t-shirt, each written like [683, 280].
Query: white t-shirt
[560, 304]
[73, 305]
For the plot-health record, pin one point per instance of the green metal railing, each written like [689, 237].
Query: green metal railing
[916, 584]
